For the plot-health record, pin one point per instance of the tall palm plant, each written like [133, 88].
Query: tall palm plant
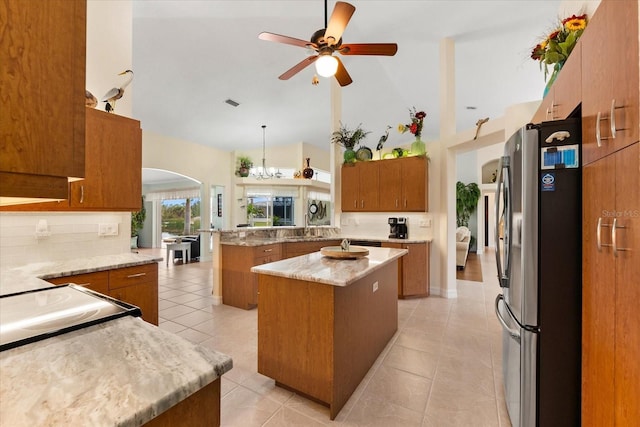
[467, 197]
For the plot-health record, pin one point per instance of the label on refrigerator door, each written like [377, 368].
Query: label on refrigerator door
[559, 157]
[548, 182]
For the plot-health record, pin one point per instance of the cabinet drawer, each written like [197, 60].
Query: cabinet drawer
[98, 281]
[130, 276]
[274, 251]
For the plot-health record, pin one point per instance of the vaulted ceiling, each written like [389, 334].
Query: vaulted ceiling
[190, 56]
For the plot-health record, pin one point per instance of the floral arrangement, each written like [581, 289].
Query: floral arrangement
[556, 47]
[415, 127]
[349, 138]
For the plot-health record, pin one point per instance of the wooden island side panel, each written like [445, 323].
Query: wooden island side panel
[320, 340]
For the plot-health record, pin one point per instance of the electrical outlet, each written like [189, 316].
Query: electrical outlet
[375, 286]
[110, 229]
[425, 223]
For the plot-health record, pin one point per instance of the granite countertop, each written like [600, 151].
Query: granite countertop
[123, 372]
[30, 276]
[315, 267]
[252, 241]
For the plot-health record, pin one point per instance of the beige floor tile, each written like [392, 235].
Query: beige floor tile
[399, 387]
[246, 408]
[175, 311]
[286, 417]
[172, 327]
[164, 304]
[181, 299]
[412, 361]
[480, 414]
[420, 340]
[194, 318]
[372, 412]
[267, 387]
[193, 336]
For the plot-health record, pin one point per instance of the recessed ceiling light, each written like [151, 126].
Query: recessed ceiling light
[232, 102]
[471, 108]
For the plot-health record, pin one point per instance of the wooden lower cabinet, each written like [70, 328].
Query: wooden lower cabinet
[611, 290]
[136, 285]
[239, 284]
[321, 340]
[200, 409]
[413, 269]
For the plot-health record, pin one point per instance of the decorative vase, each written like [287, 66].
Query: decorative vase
[307, 173]
[552, 78]
[418, 148]
[349, 155]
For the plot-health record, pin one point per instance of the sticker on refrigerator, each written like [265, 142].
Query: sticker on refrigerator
[560, 157]
[548, 182]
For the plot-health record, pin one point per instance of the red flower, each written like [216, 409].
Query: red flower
[421, 115]
[414, 128]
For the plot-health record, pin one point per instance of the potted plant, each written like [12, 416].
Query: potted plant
[244, 166]
[349, 139]
[467, 197]
[137, 222]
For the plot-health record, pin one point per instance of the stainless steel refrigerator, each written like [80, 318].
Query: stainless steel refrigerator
[539, 259]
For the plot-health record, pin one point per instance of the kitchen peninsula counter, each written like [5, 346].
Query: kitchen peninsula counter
[124, 372]
[323, 322]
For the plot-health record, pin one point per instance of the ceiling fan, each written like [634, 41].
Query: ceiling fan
[328, 40]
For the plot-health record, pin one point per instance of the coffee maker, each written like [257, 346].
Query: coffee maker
[398, 228]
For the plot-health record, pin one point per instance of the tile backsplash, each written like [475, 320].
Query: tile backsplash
[24, 238]
[374, 224]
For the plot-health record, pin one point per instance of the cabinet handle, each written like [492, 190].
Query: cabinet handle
[267, 250]
[600, 138]
[612, 120]
[396, 203]
[613, 238]
[599, 243]
[355, 204]
[81, 193]
[362, 203]
[552, 110]
[131, 276]
[405, 203]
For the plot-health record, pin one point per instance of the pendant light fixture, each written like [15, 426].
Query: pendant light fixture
[261, 172]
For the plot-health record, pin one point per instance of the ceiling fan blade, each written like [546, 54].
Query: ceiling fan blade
[271, 37]
[298, 67]
[338, 22]
[342, 76]
[385, 49]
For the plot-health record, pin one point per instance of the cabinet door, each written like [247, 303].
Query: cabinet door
[114, 164]
[350, 188]
[98, 281]
[42, 82]
[610, 80]
[237, 281]
[415, 189]
[598, 294]
[391, 189]
[369, 186]
[144, 296]
[415, 270]
[627, 293]
[565, 93]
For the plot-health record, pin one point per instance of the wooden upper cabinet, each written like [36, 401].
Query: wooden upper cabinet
[394, 185]
[360, 187]
[610, 79]
[42, 82]
[565, 93]
[113, 180]
[114, 164]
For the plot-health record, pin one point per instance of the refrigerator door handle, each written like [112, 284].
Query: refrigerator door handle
[515, 334]
[503, 276]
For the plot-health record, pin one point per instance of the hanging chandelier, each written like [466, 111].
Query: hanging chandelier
[261, 172]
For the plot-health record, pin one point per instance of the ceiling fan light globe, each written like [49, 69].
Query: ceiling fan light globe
[326, 65]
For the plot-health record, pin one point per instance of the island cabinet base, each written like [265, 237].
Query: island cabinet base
[200, 409]
[320, 340]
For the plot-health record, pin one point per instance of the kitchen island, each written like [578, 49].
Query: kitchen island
[123, 372]
[322, 322]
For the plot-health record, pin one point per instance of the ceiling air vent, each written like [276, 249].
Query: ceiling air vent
[232, 102]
